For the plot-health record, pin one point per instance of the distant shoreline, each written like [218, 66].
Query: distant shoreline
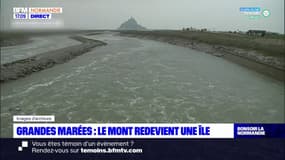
[272, 66]
[13, 39]
[22, 68]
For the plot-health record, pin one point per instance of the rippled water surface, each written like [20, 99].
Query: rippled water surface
[133, 80]
[40, 44]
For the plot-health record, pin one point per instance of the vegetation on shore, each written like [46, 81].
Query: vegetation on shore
[270, 45]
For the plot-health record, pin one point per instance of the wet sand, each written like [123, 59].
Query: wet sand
[24, 67]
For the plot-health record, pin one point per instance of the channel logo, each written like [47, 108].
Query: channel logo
[20, 13]
[254, 12]
[35, 12]
[266, 13]
[250, 10]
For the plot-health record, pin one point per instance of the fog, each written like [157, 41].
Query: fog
[216, 15]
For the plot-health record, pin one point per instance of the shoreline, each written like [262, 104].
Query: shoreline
[249, 59]
[24, 67]
[8, 39]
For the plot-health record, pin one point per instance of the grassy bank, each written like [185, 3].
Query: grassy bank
[270, 45]
[261, 54]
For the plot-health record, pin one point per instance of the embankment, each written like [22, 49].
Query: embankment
[257, 59]
[25, 67]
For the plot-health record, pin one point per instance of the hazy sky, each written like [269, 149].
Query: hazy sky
[156, 14]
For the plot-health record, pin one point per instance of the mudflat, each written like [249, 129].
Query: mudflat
[24, 67]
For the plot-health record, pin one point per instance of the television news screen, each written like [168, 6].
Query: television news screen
[142, 79]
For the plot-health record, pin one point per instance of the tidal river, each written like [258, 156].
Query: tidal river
[133, 80]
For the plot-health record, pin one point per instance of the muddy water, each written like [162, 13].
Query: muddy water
[40, 44]
[133, 80]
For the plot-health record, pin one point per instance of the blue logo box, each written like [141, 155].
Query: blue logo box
[249, 9]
